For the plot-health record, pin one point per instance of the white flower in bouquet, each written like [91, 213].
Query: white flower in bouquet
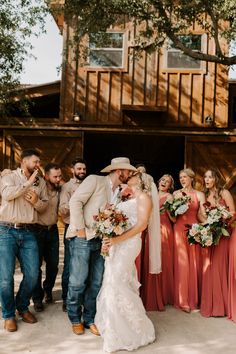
[181, 209]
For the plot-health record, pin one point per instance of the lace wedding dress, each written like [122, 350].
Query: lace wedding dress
[121, 317]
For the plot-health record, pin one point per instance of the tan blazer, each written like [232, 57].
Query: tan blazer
[93, 193]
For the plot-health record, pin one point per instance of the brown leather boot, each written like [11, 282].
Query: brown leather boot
[10, 325]
[78, 328]
[28, 317]
[93, 329]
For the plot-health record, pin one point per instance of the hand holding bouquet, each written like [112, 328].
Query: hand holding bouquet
[110, 222]
[177, 206]
[218, 224]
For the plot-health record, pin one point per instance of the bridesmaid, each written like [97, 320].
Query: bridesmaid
[157, 289]
[150, 290]
[165, 188]
[187, 259]
[216, 258]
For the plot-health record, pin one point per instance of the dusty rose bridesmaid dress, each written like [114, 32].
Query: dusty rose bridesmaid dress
[187, 261]
[150, 291]
[157, 290]
[167, 258]
[214, 298]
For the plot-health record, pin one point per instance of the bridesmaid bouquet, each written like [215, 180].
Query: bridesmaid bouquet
[200, 234]
[218, 224]
[177, 206]
[110, 222]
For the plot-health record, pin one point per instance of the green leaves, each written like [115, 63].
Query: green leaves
[162, 18]
[19, 19]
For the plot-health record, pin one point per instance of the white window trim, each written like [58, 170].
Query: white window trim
[122, 49]
[203, 48]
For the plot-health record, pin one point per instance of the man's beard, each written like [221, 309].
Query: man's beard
[55, 186]
[123, 178]
[80, 177]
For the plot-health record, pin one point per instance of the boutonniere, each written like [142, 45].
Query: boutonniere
[125, 193]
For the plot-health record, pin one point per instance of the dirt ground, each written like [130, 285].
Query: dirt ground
[177, 333]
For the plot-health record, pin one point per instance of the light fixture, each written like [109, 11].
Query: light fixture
[209, 120]
[76, 117]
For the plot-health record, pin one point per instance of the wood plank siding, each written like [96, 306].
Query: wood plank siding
[99, 95]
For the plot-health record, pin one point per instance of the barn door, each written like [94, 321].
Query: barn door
[213, 152]
[54, 146]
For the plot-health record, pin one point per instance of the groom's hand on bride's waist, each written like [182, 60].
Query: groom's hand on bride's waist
[81, 233]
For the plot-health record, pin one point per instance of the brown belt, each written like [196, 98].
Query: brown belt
[16, 225]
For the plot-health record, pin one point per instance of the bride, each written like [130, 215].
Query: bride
[121, 318]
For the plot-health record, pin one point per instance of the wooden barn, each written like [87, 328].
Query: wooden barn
[161, 109]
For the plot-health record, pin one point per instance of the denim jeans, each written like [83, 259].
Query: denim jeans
[66, 267]
[48, 244]
[21, 244]
[86, 273]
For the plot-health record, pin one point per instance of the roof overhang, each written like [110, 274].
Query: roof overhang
[57, 9]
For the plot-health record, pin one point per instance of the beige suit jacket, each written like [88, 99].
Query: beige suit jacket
[94, 192]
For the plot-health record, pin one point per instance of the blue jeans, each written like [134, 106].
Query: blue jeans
[48, 244]
[21, 244]
[66, 267]
[86, 273]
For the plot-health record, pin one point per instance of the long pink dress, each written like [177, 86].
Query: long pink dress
[214, 298]
[232, 277]
[150, 290]
[167, 257]
[158, 290]
[187, 261]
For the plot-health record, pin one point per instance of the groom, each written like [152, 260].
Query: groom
[86, 264]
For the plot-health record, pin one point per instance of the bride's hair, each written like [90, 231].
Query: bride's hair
[145, 181]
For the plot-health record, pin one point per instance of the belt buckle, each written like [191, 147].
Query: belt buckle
[16, 226]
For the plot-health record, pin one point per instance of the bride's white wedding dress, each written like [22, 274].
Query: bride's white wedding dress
[121, 317]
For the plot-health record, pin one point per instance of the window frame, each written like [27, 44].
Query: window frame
[123, 50]
[202, 67]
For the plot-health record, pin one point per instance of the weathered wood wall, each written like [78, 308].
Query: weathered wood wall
[187, 97]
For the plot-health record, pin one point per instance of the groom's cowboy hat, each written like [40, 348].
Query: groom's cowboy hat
[119, 163]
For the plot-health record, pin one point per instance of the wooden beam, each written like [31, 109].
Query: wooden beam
[68, 130]
[133, 107]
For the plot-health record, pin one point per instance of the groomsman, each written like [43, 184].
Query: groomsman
[79, 171]
[48, 239]
[86, 265]
[24, 195]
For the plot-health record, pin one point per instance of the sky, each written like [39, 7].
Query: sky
[48, 53]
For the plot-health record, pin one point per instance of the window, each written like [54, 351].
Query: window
[106, 49]
[177, 60]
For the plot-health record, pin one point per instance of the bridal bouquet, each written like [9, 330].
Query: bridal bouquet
[110, 222]
[218, 224]
[177, 206]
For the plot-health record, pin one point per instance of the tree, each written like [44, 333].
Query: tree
[18, 21]
[164, 19]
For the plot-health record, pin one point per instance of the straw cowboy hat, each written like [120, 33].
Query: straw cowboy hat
[119, 163]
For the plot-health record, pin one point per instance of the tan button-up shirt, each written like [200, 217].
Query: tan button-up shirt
[67, 191]
[50, 215]
[14, 207]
